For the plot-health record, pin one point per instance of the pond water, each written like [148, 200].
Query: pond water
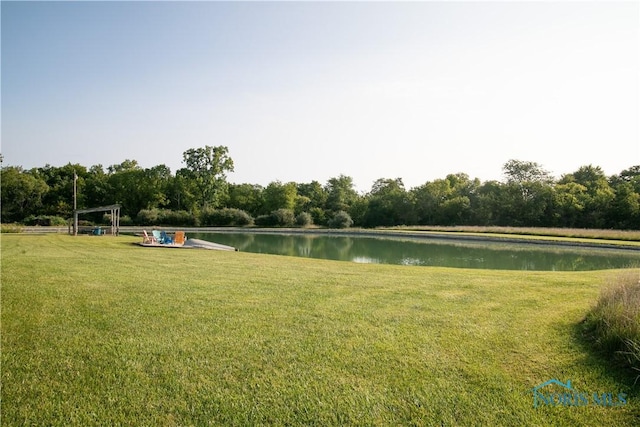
[429, 252]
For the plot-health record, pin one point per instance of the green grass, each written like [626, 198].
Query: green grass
[97, 331]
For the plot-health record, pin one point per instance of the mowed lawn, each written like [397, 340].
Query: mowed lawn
[98, 331]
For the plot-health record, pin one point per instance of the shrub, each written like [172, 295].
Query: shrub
[147, 217]
[165, 217]
[319, 216]
[265, 221]
[284, 217]
[45, 220]
[225, 217]
[341, 220]
[304, 219]
[126, 220]
[179, 218]
[277, 218]
[614, 323]
[11, 228]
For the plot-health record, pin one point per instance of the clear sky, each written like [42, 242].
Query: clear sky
[303, 91]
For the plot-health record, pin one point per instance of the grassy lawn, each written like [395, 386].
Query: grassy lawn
[97, 331]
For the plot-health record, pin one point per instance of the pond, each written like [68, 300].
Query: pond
[429, 251]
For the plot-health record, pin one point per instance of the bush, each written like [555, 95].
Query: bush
[11, 228]
[265, 221]
[126, 220]
[225, 218]
[614, 323]
[277, 218]
[45, 220]
[179, 218]
[165, 217]
[341, 220]
[304, 219]
[284, 217]
[319, 216]
[147, 217]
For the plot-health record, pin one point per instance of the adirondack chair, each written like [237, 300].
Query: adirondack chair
[148, 239]
[179, 238]
[157, 236]
[165, 238]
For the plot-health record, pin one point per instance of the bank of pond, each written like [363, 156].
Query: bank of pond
[458, 253]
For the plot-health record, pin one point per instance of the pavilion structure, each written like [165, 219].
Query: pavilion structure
[115, 217]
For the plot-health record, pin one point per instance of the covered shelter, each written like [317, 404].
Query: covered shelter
[115, 217]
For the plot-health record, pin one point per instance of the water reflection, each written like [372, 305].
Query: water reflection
[430, 252]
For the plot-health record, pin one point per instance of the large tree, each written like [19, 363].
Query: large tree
[22, 193]
[596, 198]
[528, 193]
[207, 167]
[59, 198]
[341, 193]
[445, 201]
[247, 197]
[279, 196]
[389, 204]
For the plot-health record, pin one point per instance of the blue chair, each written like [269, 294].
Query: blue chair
[165, 238]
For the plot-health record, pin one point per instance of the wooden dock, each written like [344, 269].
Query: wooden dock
[191, 244]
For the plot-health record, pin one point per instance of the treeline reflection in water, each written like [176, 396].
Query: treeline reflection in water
[429, 252]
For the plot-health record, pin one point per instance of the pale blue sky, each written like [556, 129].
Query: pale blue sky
[306, 91]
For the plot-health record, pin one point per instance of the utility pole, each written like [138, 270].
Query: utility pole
[75, 203]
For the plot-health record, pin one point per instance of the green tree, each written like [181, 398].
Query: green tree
[528, 193]
[96, 191]
[624, 211]
[631, 175]
[526, 177]
[568, 204]
[488, 210]
[597, 197]
[125, 181]
[389, 204]
[341, 193]
[358, 210]
[207, 168]
[247, 197]
[21, 192]
[127, 165]
[279, 196]
[446, 201]
[155, 186]
[182, 192]
[60, 180]
[310, 196]
[428, 199]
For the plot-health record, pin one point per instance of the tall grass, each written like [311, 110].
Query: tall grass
[615, 320]
[585, 233]
[10, 228]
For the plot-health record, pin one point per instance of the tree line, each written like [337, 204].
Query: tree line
[200, 195]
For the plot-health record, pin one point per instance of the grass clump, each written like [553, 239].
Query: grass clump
[11, 228]
[614, 322]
